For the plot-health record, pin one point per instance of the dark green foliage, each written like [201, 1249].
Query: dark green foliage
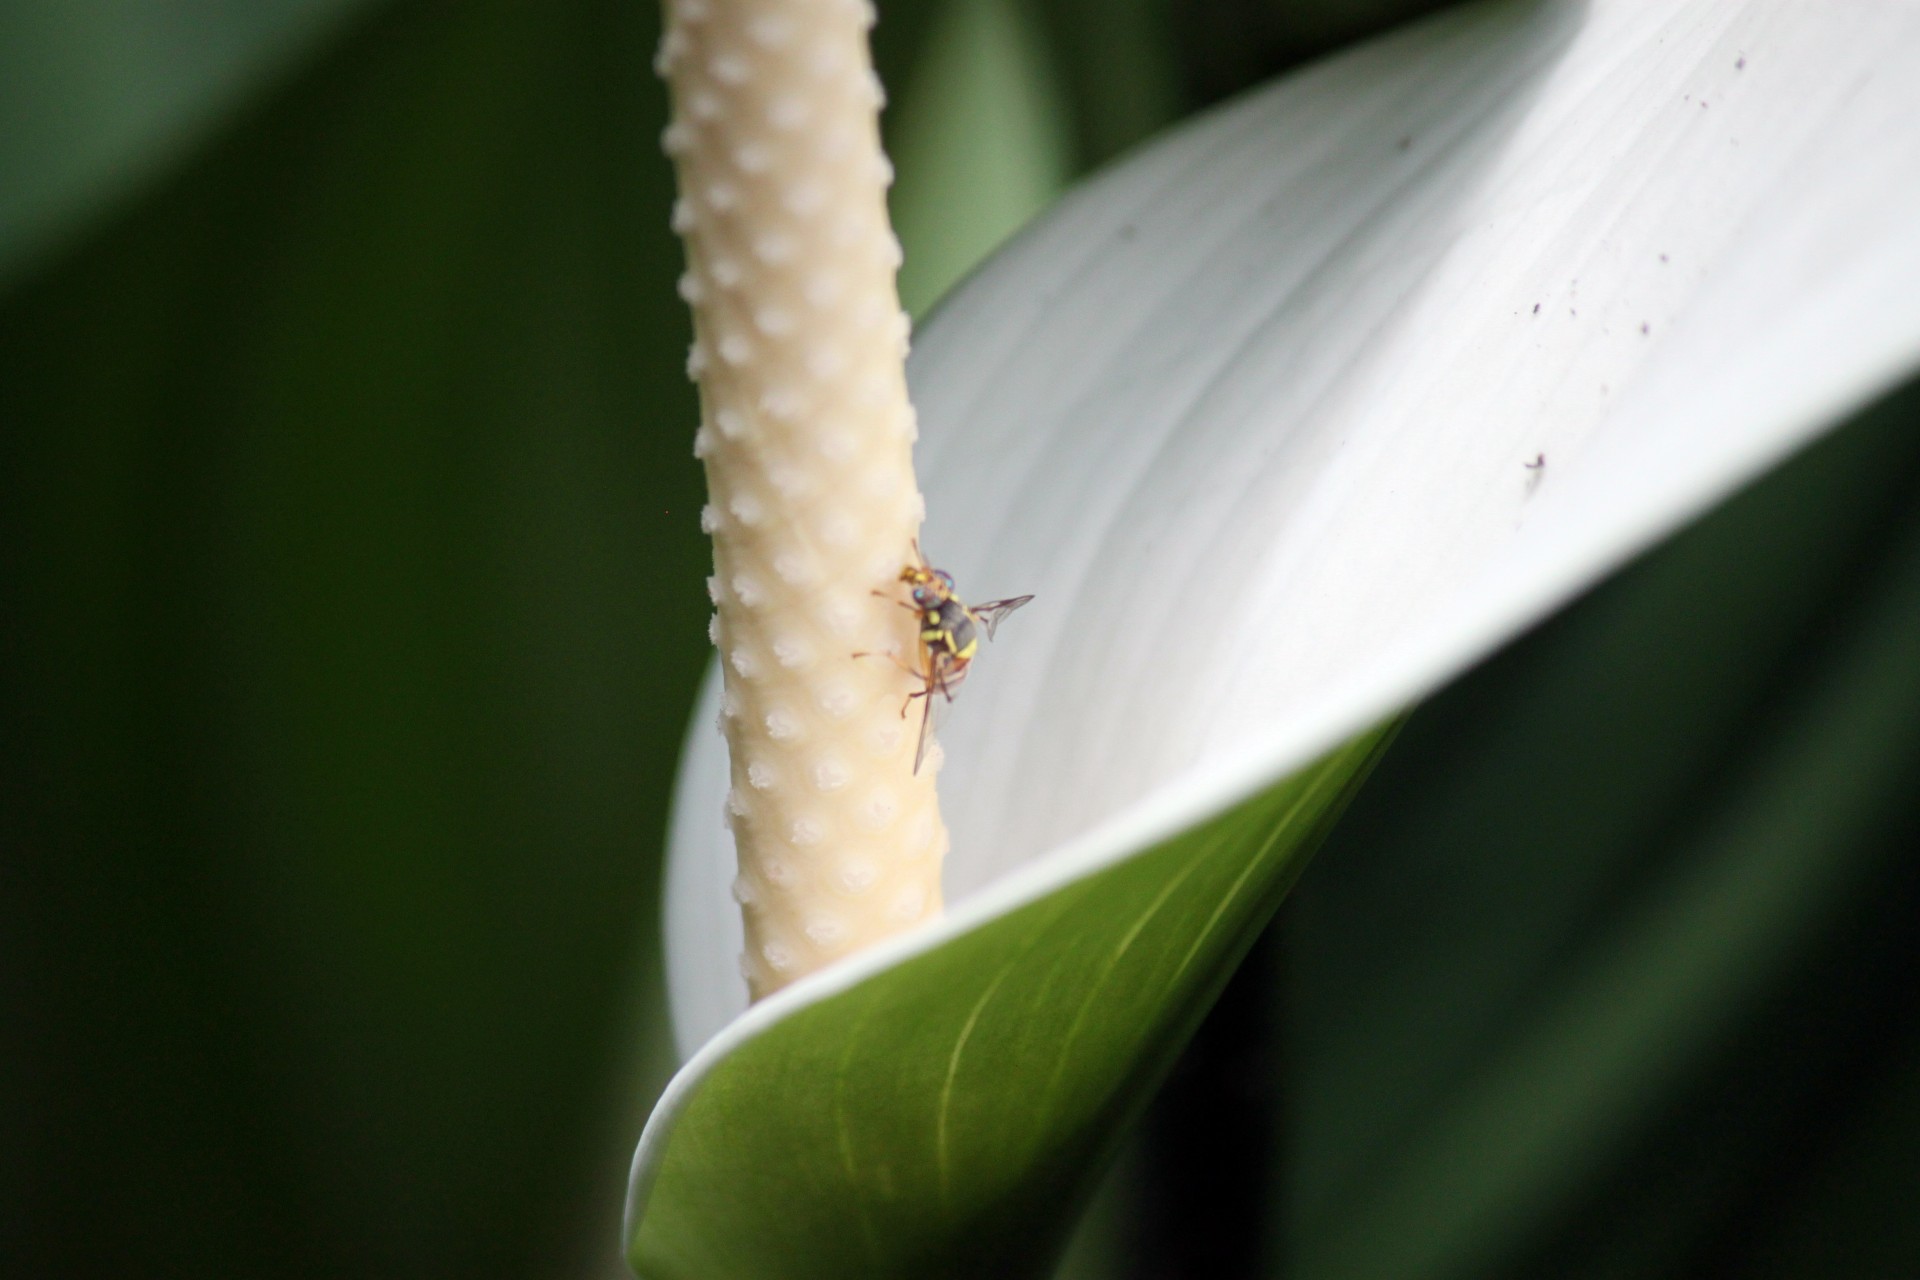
[353, 586]
[1612, 971]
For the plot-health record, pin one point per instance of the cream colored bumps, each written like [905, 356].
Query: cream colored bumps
[807, 436]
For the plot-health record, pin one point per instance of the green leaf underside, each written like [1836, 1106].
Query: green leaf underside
[942, 1117]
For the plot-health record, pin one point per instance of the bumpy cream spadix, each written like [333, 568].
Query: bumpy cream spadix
[807, 434]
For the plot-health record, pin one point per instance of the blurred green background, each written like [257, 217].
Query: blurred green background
[352, 585]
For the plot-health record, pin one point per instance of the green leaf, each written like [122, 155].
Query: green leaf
[952, 1107]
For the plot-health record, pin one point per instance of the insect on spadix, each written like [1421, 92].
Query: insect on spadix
[949, 637]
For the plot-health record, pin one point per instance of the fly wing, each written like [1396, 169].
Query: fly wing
[926, 730]
[942, 679]
[940, 692]
[988, 615]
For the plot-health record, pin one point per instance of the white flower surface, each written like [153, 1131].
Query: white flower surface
[1301, 411]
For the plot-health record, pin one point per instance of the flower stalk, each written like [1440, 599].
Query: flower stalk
[806, 435]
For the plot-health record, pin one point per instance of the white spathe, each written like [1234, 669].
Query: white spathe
[1299, 412]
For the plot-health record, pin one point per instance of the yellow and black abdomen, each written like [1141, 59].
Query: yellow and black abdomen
[951, 638]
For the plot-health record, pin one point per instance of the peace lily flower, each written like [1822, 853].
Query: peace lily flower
[1287, 421]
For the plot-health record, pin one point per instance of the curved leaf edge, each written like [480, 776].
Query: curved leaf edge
[1238, 866]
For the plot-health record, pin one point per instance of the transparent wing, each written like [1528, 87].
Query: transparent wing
[988, 615]
[926, 728]
[933, 705]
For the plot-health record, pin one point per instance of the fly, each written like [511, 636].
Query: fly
[949, 638]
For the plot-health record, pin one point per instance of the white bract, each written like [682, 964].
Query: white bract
[1303, 410]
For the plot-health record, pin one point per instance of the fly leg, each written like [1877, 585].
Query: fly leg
[912, 671]
[916, 674]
